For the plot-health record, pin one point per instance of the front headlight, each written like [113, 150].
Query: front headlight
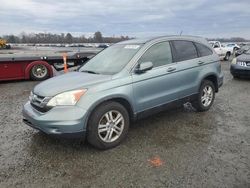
[67, 98]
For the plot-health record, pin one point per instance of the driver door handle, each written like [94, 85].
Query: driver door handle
[201, 62]
[171, 69]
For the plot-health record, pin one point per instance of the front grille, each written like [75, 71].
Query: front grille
[41, 109]
[39, 102]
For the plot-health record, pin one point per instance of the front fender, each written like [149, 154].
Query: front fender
[91, 101]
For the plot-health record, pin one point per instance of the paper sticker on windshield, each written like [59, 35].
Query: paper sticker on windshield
[132, 47]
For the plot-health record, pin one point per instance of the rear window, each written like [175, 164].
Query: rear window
[184, 50]
[203, 50]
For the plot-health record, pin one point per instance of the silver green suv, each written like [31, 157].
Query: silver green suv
[125, 82]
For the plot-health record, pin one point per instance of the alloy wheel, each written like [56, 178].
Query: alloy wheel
[111, 126]
[207, 96]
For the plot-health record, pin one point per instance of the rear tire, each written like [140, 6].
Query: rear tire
[39, 72]
[226, 58]
[108, 125]
[205, 97]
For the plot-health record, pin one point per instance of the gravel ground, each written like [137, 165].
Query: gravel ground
[178, 148]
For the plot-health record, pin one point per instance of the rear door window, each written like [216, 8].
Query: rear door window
[203, 50]
[184, 50]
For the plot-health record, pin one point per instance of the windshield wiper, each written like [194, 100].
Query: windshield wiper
[89, 71]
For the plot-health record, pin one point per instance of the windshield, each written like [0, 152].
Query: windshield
[111, 60]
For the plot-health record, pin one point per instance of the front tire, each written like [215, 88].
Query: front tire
[205, 97]
[108, 125]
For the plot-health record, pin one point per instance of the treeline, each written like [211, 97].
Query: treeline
[68, 38]
[61, 38]
[233, 39]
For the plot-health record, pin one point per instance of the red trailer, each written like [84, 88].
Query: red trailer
[38, 68]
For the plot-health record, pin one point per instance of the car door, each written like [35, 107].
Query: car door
[158, 85]
[188, 65]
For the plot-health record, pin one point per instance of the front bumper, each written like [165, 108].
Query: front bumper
[237, 70]
[65, 121]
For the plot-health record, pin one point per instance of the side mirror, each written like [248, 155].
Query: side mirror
[143, 67]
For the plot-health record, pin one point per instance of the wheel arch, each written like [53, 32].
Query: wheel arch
[212, 78]
[121, 100]
[29, 67]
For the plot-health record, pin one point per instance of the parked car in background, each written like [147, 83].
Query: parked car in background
[125, 82]
[234, 46]
[242, 50]
[223, 51]
[240, 65]
[102, 46]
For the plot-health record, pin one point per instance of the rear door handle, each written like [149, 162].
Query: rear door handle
[201, 62]
[171, 69]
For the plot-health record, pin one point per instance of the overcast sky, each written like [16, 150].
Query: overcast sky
[138, 18]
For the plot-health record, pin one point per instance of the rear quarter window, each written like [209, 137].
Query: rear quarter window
[184, 50]
[203, 50]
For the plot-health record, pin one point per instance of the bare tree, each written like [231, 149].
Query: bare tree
[69, 38]
[61, 38]
[98, 37]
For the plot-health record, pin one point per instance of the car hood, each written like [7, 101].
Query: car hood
[67, 82]
[243, 57]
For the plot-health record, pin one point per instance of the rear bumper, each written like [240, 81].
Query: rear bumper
[68, 122]
[237, 70]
